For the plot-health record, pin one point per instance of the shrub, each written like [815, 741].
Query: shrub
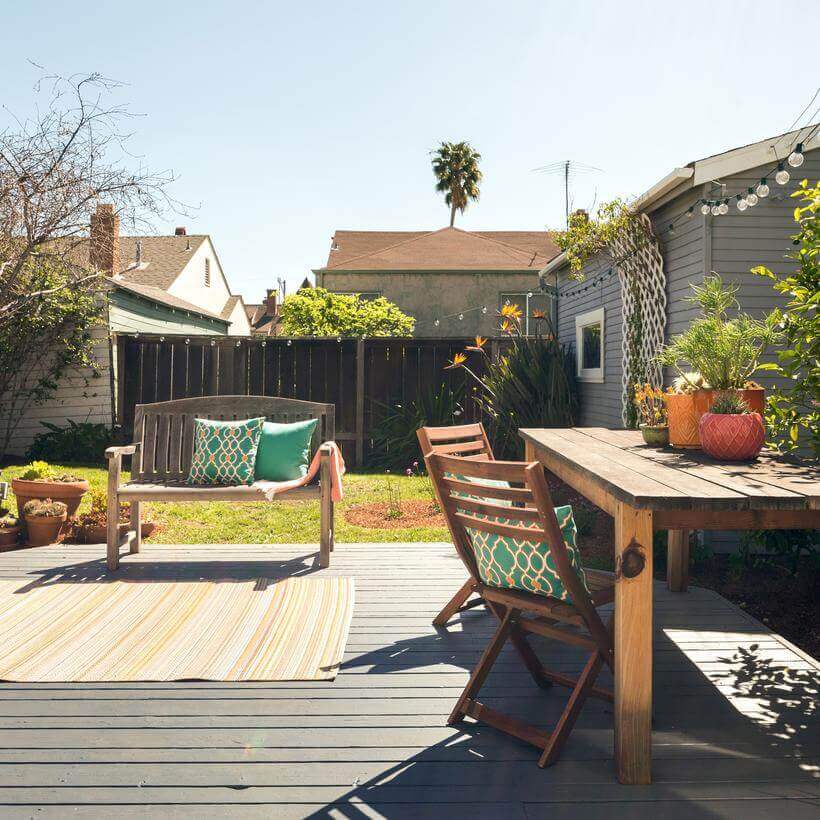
[395, 444]
[82, 442]
[760, 547]
[584, 519]
[45, 507]
[7, 521]
[37, 471]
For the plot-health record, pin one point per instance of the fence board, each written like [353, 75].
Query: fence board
[393, 371]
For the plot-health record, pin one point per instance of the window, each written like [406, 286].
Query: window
[589, 345]
[529, 304]
[207, 273]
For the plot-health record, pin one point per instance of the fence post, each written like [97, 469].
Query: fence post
[359, 402]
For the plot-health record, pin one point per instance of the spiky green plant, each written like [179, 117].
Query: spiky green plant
[725, 351]
[455, 165]
[729, 403]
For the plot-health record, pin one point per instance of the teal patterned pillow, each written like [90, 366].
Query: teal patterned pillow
[512, 563]
[224, 451]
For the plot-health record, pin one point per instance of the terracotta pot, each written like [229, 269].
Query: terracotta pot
[731, 436]
[69, 492]
[44, 529]
[685, 410]
[655, 436]
[97, 534]
[9, 536]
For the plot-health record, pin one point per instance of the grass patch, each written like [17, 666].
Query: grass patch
[292, 522]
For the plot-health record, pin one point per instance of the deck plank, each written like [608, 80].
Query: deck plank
[734, 729]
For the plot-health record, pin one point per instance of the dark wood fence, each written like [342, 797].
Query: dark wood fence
[360, 377]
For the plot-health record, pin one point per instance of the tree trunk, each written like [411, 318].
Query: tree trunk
[452, 214]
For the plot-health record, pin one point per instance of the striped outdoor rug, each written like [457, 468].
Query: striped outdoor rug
[294, 629]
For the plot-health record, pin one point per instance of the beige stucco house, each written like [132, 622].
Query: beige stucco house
[452, 281]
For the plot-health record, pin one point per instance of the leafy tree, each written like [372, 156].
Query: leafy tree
[793, 408]
[455, 165]
[318, 312]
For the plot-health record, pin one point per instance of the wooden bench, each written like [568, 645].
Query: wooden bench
[163, 448]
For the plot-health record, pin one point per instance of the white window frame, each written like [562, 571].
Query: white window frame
[583, 320]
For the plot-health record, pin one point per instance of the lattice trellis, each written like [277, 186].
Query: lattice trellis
[643, 300]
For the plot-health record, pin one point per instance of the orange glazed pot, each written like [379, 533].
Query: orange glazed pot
[685, 411]
[732, 436]
[44, 529]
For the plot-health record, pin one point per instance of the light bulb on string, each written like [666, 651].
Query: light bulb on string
[461, 317]
[690, 212]
[437, 323]
[484, 309]
[724, 207]
[742, 205]
[782, 175]
[715, 210]
[751, 197]
[704, 209]
[796, 157]
[762, 190]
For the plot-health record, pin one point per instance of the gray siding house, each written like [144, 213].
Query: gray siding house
[590, 311]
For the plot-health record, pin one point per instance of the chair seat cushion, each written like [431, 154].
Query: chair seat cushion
[512, 563]
[284, 450]
[224, 451]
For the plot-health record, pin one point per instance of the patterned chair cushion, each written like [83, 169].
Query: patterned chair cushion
[224, 451]
[512, 563]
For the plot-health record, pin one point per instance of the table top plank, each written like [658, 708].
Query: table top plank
[746, 479]
[621, 464]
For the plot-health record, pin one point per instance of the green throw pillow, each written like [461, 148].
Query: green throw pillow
[284, 450]
[512, 563]
[224, 451]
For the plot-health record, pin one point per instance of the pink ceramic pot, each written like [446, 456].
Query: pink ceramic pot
[732, 437]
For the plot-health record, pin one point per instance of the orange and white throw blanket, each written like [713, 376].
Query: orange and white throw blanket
[337, 470]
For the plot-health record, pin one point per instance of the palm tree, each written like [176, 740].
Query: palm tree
[455, 165]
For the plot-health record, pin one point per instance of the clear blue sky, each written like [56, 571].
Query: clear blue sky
[285, 121]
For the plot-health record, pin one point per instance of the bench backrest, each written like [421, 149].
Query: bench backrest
[165, 430]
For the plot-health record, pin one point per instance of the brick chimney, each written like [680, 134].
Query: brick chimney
[270, 302]
[180, 231]
[581, 215]
[104, 252]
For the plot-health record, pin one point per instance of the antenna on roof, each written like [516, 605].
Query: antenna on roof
[188, 245]
[570, 169]
[139, 252]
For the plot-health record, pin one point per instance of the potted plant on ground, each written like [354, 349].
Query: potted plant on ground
[723, 354]
[44, 519]
[651, 408]
[93, 524]
[730, 431]
[9, 531]
[40, 480]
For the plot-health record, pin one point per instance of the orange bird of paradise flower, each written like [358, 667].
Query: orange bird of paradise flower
[458, 360]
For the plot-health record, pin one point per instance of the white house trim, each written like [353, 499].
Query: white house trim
[584, 320]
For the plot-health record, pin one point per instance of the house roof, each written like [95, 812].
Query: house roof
[444, 249]
[261, 322]
[227, 308]
[162, 258]
[700, 171]
[161, 296]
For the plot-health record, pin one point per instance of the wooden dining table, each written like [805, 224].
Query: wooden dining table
[646, 489]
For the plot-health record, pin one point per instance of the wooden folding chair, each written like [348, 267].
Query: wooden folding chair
[469, 441]
[559, 601]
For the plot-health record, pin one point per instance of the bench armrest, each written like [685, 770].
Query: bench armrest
[118, 452]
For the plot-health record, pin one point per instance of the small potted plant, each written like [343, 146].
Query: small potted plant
[9, 531]
[730, 431]
[93, 524]
[651, 407]
[722, 354]
[40, 480]
[44, 520]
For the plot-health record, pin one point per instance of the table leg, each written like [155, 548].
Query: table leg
[677, 560]
[633, 645]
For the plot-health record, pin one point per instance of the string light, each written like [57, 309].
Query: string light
[461, 317]
[742, 205]
[762, 190]
[723, 208]
[782, 175]
[796, 156]
[484, 310]
[704, 209]
[715, 209]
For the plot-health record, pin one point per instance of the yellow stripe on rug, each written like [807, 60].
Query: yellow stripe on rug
[260, 629]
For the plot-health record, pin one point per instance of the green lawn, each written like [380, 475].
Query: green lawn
[279, 522]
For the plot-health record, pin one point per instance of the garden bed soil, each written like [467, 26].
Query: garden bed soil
[415, 513]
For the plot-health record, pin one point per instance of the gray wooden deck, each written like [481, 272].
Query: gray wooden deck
[736, 727]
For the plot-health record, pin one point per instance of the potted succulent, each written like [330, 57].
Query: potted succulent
[649, 402]
[723, 354]
[9, 531]
[93, 524]
[730, 431]
[44, 520]
[40, 480]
